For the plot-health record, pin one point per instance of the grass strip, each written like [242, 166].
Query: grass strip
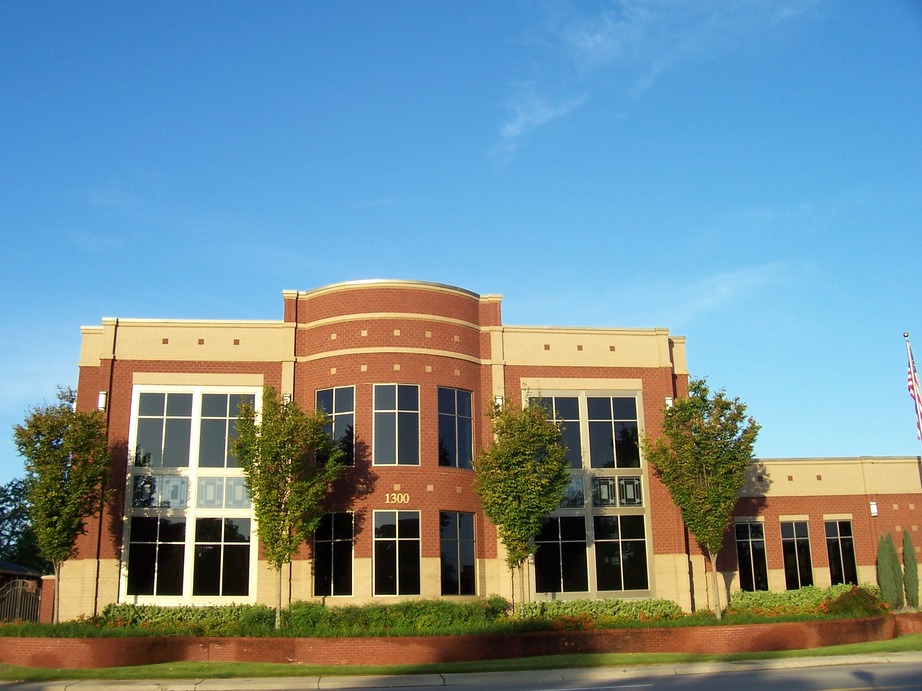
[227, 670]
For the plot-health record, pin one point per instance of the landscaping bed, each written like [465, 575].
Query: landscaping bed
[422, 632]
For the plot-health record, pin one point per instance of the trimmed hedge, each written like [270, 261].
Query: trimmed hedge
[445, 617]
[842, 600]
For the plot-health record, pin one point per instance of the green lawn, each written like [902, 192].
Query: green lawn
[198, 670]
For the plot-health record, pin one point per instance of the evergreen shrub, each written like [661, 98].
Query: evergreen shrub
[889, 573]
[910, 572]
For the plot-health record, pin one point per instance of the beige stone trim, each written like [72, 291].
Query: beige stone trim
[832, 477]
[537, 385]
[200, 341]
[387, 283]
[196, 379]
[380, 316]
[77, 590]
[385, 351]
[592, 347]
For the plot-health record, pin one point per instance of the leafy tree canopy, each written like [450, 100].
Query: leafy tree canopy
[702, 457]
[279, 454]
[521, 476]
[66, 460]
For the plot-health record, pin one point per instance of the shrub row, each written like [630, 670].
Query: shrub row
[838, 600]
[411, 617]
[443, 617]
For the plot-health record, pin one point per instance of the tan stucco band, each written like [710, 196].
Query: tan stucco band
[196, 379]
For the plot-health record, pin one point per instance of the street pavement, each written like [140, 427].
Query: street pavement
[484, 680]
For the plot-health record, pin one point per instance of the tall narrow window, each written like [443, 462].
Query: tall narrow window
[456, 439]
[456, 541]
[164, 427]
[155, 555]
[565, 410]
[339, 405]
[613, 433]
[219, 428]
[333, 541]
[396, 552]
[222, 556]
[840, 548]
[396, 420]
[750, 555]
[620, 552]
[560, 560]
[795, 548]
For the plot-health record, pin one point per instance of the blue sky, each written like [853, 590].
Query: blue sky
[747, 174]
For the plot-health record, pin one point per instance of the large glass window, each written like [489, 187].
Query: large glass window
[456, 541]
[396, 421]
[164, 430]
[560, 560]
[222, 556]
[613, 433]
[189, 522]
[620, 552]
[600, 429]
[396, 552]
[339, 405]
[219, 428]
[750, 556]
[333, 540]
[155, 555]
[565, 410]
[840, 548]
[795, 548]
[456, 438]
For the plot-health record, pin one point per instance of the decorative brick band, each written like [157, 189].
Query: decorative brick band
[74, 653]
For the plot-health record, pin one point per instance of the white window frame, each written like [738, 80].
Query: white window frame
[191, 511]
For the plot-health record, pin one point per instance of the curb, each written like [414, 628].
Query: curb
[484, 679]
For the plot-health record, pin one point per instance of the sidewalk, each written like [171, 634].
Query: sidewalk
[486, 680]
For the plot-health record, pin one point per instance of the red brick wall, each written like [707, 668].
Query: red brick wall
[381, 297]
[70, 653]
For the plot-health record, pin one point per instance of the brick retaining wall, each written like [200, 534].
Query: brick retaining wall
[73, 653]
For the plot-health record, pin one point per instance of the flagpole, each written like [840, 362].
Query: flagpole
[912, 379]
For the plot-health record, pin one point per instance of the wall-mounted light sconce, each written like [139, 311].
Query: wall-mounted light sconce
[873, 508]
[498, 400]
[101, 400]
[668, 401]
[286, 398]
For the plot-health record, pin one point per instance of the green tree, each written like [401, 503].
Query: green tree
[289, 464]
[702, 457]
[17, 538]
[910, 571]
[521, 477]
[889, 573]
[66, 459]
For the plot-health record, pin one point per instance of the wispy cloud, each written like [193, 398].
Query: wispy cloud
[628, 46]
[727, 289]
[530, 111]
[682, 302]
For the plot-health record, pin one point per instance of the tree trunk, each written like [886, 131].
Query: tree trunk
[278, 600]
[715, 583]
[56, 609]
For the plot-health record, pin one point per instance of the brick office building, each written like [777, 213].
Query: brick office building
[405, 370]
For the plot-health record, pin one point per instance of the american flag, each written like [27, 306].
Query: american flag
[912, 377]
